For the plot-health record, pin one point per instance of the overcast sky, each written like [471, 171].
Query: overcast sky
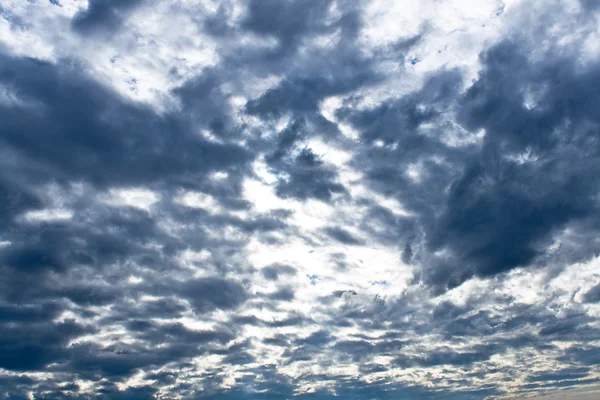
[311, 199]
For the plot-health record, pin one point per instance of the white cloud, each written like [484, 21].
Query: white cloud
[132, 197]
[48, 215]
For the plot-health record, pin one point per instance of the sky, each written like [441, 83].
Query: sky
[299, 199]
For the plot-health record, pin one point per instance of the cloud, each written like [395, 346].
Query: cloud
[342, 236]
[494, 222]
[309, 199]
[34, 345]
[209, 294]
[70, 103]
[103, 16]
[273, 272]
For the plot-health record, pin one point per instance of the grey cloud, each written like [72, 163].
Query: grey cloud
[308, 177]
[160, 308]
[168, 333]
[289, 22]
[588, 355]
[363, 350]
[295, 320]
[103, 16]
[495, 223]
[293, 132]
[33, 345]
[396, 122]
[319, 338]
[278, 340]
[447, 358]
[568, 373]
[72, 103]
[283, 294]
[84, 127]
[305, 176]
[343, 236]
[593, 295]
[302, 96]
[273, 272]
[209, 294]
[589, 5]
[490, 222]
[91, 361]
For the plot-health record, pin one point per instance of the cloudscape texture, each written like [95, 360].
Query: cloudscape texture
[311, 199]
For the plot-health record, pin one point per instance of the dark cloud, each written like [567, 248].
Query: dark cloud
[305, 175]
[490, 219]
[91, 361]
[68, 266]
[308, 177]
[131, 393]
[68, 103]
[343, 236]
[209, 294]
[32, 345]
[290, 21]
[283, 294]
[15, 387]
[446, 357]
[393, 141]
[593, 295]
[293, 132]
[163, 308]
[588, 355]
[84, 127]
[364, 350]
[568, 373]
[103, 16]
[303, 95]
[589, 5]
[273, 272]
[169, 333]
[499, 212]
[278, 340]
[398, 121]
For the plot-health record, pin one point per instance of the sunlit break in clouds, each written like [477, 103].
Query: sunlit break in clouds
[300, 199]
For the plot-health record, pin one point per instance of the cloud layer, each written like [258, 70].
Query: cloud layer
[308, 199]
